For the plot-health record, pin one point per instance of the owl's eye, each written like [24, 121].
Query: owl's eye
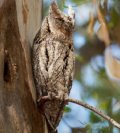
[60, 20]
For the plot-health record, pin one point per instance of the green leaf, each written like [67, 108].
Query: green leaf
[67, 109]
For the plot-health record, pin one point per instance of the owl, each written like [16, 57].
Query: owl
[53, 63]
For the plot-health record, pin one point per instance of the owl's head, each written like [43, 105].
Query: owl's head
[60, 23]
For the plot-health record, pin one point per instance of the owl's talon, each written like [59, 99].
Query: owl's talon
[62, 97]
[43, 99]
[50, 95]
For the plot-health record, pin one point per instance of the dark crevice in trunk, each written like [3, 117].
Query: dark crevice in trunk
[7, 73]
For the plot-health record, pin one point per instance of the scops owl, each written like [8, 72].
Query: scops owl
[53, 62]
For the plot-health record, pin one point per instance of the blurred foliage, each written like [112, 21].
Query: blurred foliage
[94, 118]
[79, 2]
[67, 109]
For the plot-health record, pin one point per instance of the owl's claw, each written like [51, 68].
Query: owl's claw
[62, 97]
[43, 99]
[51, 96]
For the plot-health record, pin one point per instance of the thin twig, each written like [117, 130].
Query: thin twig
[112, 121]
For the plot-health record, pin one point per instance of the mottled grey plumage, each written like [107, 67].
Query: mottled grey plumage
[53, 62]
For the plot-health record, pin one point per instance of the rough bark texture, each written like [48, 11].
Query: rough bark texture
[19, 21]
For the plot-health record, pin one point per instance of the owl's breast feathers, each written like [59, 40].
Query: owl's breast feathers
[56, 60]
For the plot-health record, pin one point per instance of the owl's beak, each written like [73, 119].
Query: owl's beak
[71, 13]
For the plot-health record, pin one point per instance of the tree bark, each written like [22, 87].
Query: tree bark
[19, 22]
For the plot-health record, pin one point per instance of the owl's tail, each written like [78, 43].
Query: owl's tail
[50, 129]
[53, 111]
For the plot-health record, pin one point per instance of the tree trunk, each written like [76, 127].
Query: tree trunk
[19, 22]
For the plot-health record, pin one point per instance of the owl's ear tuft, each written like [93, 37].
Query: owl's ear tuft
[54, 9]
[54, 4]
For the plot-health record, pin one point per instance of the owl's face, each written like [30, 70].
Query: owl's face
[59, 22]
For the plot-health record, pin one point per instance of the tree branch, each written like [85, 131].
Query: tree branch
[112, 121]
